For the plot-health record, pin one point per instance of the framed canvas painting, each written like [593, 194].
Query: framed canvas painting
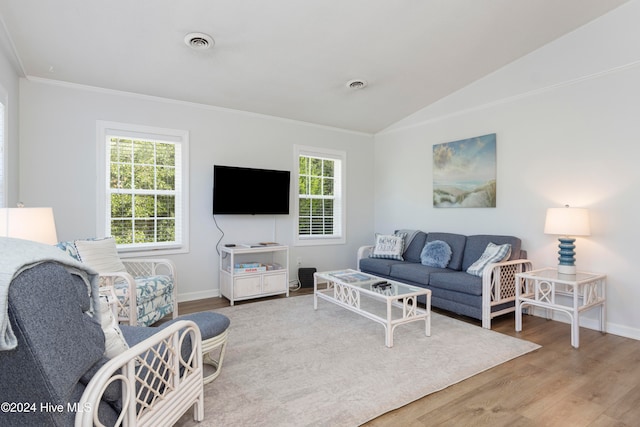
[464, 173]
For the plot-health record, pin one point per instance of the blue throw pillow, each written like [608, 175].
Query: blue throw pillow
[436, 254]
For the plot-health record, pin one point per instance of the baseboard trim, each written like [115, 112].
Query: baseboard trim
[193, 296]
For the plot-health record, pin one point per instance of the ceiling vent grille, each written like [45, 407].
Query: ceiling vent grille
[198, 41]
[356, 84]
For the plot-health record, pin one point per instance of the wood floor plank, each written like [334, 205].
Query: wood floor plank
[595, 385]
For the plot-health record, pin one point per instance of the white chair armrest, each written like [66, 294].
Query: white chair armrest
[126, 309]
[363, 252]
[168, 403]
[499, 286]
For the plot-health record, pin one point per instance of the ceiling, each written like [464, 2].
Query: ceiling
[288, 58]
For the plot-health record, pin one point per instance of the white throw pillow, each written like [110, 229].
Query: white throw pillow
[114, 342]
[101, 255]
[492, 253]
[389, 246]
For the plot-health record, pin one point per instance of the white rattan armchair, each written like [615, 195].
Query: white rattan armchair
[137, 270]
[158, 382]
[147, 289]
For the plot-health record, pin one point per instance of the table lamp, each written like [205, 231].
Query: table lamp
[567, 222]
[35, 224]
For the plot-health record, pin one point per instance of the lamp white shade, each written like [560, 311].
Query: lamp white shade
[567, 222]
[35, 224]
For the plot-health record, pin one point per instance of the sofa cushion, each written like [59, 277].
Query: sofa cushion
[456, 281]
[436, 254]
[413, 272]
[112, 392]
[493, 253]
[477, 244]
[457, 244]
[389, 246]
[154, 310]
[413, 246]
[378, 266]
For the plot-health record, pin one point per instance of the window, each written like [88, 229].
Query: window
[320, 207]
[143, 191]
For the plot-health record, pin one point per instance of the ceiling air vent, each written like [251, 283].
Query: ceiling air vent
[198, 41]
[356, 84]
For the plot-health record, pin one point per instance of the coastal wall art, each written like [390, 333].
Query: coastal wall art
[464, 173]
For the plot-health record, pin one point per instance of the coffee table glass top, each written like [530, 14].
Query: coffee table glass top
[370, 283]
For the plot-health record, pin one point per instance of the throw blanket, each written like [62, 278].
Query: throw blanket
[410, 235]
[18, 255]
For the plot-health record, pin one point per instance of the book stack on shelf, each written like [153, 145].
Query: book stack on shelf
[249, 267]
[252, 267]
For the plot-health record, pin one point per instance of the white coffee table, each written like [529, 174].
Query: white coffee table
[346, 288]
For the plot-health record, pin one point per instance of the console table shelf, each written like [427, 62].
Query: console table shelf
[271, 278]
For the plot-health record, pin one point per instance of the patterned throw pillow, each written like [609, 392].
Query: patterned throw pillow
[389, 246]
[436, 254]
[492, 253]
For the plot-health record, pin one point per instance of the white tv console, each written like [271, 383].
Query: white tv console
[238, 285]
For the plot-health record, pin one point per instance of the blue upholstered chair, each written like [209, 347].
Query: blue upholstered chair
[59, 359]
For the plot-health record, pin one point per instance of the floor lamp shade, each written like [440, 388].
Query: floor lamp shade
[567, 222]
[35, 224]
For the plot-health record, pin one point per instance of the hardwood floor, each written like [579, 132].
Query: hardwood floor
[556, 385]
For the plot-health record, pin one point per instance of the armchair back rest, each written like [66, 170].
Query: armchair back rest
[57, 343]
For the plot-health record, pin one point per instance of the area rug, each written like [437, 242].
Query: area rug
[290, 365]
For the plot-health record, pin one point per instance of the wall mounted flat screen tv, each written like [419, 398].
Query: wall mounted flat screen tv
[247, 191]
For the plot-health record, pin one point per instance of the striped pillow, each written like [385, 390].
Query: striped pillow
[101, 255]
[492, 253]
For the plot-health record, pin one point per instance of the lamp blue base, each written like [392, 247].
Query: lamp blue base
[567, 259]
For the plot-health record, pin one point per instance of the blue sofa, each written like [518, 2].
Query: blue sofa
[452, 288]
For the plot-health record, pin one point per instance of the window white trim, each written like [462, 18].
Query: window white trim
[104, 129]
[341, 196]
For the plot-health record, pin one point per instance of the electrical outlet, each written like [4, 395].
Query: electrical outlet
[299, 261]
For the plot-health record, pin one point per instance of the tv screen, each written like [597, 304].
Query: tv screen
[248, 191]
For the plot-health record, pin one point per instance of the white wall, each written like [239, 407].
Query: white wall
[567, 125]
[566, 118]
[9, 72]
[58, 160]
